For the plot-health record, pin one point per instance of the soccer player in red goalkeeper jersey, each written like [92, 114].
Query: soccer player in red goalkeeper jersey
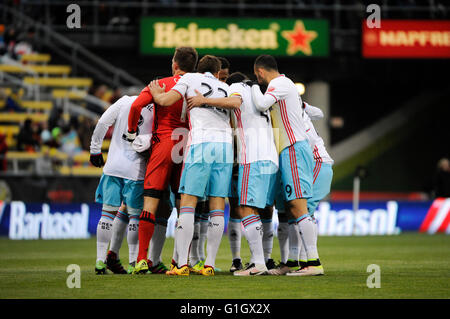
[161, 169]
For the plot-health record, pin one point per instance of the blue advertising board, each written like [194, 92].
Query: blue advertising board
[19, 220]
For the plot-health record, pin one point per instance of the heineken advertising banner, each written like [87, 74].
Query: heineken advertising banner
[278, 37]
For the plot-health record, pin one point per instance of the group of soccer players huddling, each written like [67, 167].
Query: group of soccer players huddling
[192, 140]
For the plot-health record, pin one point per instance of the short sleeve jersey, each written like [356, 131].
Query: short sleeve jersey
[286, 113]
[206, 123]
[255, 140]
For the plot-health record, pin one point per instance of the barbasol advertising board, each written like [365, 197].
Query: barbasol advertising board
[19, 220]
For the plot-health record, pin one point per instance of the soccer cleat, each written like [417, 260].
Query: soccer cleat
[252, 270]
[171, 271]
[160, 268]
[183, 271]
[270, 264]
[131, 267]
[141, 267]
[293, 264]
[308, 271]
[197, 268]
[280, 270]
[173, 264]
[236, 265]
[114, 264]
[100, 268]
[207, 271]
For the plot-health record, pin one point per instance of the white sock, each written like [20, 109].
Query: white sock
[104, 233]
[157, 241]
[234, 236]
[294, 240]
[302, 250]
[267, 238]
[193, 251]
[119, 229]
[214, 235]
[307, 229]
[175, 254]
[283, 239]
[185, 231]
[204, 221]
[253, 233]
[133, 238]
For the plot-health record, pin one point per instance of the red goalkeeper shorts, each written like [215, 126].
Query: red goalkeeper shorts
[162, 169]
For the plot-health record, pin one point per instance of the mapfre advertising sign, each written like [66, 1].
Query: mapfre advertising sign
[407, 39]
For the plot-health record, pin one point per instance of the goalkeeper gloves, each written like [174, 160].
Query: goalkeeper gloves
[97, 160]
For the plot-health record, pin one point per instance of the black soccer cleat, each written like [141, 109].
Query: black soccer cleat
[270, 264]
[114, 264]
[236, 265]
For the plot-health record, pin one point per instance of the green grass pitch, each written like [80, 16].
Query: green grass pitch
[412, 266]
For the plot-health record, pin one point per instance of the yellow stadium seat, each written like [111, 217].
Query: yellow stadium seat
[21, 117]
[43, 58]
[33, 105]
[37, 105]
[81, 170]
[10, 131]
[41, 69]
[58, 82]
[105, 145]
[16, 155]
[70, 94]
[8, 92]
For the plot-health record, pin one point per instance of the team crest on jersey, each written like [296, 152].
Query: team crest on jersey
[270, 89]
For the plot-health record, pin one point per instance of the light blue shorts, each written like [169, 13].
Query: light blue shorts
[232, 193]
[256, 184]
[323, 175]
[296, 166]
[114, 190]
[279, 194]
[207, 170]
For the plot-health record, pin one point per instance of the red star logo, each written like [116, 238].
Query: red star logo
[299, 39]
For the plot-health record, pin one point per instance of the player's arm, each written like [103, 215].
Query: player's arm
[313, 112]
[262, 101]
[161, 97]
[231, 102]
[107, 119]
[144, 98]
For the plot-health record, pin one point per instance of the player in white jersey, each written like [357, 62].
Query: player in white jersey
[258, 165]
[208, 159]
[296, 157]
[121, 184]
[322, 176]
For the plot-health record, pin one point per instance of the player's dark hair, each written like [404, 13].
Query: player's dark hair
[224, 62]
[186, 57]
[236, 77]
[266, 62]
[209, 63]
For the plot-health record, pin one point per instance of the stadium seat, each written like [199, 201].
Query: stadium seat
[40, 58]
[105, 145]
[10, 131]
[33, 105]
[21, 117]
[69, 94]
[8, 91]
[40, 69]
[58, 81]
[80, 171]
[17, 155]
